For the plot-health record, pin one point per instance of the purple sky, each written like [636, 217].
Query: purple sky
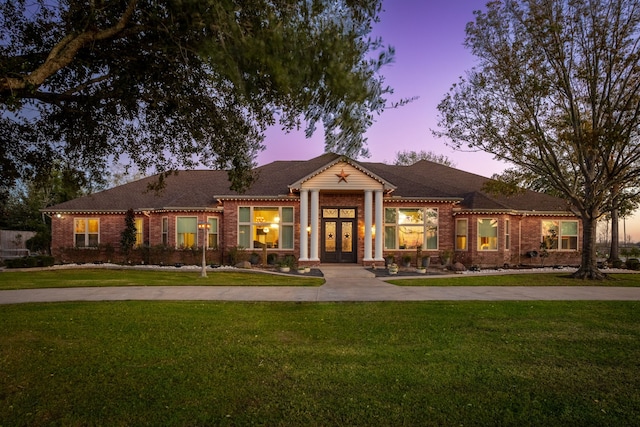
[430, 57]
[428, 37]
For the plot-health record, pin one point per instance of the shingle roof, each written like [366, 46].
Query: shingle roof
[200, 189]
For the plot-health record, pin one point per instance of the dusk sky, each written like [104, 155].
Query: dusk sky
[428, 37]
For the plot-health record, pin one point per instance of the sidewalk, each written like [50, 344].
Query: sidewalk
[350, 283]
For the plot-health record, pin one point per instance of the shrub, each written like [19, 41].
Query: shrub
[30, 262]
[237, 254]
[633, 264]
[272, 259]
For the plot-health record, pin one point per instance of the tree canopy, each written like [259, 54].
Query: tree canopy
[167, 84]
[407, 158]
[556, 93]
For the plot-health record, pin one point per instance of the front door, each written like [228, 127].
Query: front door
[339, 234]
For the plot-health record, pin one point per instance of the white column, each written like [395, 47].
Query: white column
[315, 202]
[304, 221]
[368, 214]
[379, 226]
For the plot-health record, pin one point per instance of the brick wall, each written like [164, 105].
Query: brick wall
[525, 237]
[111, 226]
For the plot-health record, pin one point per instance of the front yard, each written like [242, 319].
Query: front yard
[283, 364]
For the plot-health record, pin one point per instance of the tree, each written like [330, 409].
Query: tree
[20, 209]
[407, 158]
[128, 234]
[556, 92]
[178, 83]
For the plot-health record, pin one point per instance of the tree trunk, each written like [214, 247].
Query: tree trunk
[589, 267]
[614, 253]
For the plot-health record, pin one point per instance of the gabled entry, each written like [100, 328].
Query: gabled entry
[339, 235]
[332, 231]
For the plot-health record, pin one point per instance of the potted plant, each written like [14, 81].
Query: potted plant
[286, 263]
[390, 259]
[393, 268]
[425, 261]
[406, 260]
[420, 269]
[445, 257]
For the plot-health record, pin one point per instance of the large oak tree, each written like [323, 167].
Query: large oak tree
[176, 83]
[556, 92]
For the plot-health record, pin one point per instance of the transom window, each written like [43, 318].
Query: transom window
[270, 227]
[86, 232]
[411, 228]
[488, 234]
[560, 235]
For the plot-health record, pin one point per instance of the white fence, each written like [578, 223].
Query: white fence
[13, 243]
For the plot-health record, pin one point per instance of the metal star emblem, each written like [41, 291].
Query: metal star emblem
[342, 175]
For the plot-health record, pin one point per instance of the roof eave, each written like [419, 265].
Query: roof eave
[511, 212]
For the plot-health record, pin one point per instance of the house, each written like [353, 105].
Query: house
[329, 209]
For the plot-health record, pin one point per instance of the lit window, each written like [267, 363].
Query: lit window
[186, 232]
[462, 226]
[86, 232]
[564, 232]
[411, 228]
[487, 234]
[139, 231]
[270, 227]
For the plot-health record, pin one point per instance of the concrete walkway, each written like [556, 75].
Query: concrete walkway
[343, 283]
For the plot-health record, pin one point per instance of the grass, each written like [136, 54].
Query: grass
[535, 279]
[88, 277]
[127, 277]
[358, 364]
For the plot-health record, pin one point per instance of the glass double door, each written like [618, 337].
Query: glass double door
[339, 235]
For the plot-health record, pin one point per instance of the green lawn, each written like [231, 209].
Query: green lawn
[60, 278]
[534, 279]
[128, 277]
[358, 364]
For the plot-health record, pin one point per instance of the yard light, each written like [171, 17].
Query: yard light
[204, 226]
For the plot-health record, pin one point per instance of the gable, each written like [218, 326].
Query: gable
[342, 175]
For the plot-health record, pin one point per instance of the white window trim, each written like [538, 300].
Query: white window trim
[86, 233]
[466, 234]
[177, 245]
[396, 225]
[560, 221]
[210, 231]
[478, 235]
[507, 234]
[252, 224]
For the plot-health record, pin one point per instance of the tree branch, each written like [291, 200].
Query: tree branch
[63, 53]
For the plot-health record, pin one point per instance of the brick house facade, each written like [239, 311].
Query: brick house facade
[330, 209]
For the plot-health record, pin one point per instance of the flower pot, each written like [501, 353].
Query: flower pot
[421, 270]
[285, 269]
